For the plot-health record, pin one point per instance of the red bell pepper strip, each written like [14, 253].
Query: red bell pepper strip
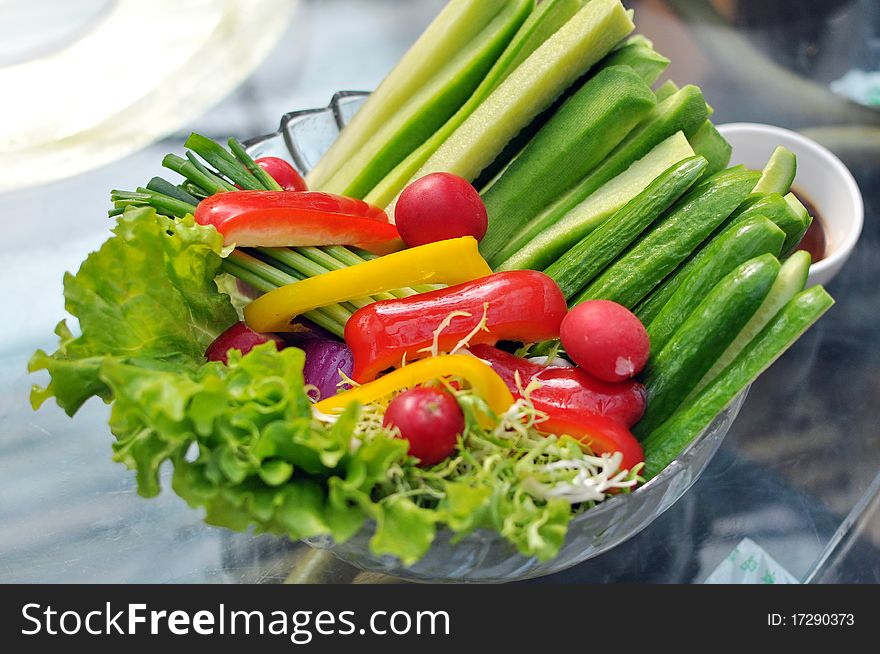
[570, 393]
[298, 218]
[522, 305]
[602, 435]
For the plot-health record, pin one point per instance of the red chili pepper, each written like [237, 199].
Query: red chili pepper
[298, 218]
[602, 435]
[523, 305]
[568, 393]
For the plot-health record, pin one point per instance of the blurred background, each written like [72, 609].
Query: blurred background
[96, 92]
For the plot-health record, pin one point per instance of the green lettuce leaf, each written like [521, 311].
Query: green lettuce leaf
[404, 529]
[148, 295]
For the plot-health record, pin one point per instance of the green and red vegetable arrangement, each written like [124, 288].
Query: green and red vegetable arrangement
[520, 281]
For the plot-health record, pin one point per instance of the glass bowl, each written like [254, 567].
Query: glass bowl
[485, 556]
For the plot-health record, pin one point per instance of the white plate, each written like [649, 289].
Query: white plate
[821, 176]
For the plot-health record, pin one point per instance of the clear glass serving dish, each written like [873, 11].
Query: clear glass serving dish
[485, 556]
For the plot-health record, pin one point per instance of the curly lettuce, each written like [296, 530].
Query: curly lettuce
[147, 297]
[245, 448]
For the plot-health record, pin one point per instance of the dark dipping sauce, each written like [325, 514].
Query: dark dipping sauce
[815, 241]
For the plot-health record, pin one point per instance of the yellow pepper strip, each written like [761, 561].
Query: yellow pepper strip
[453, 261]
[484, 381]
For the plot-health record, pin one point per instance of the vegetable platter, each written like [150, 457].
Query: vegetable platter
[500, 325]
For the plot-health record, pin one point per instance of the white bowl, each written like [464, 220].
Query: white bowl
[821, 177]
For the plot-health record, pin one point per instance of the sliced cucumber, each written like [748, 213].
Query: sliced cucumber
[547, 246]
[577, 138]
[665, 90]
[734, 247]
[709, 143]
[636, 52]
[577, 267]
[454, 30]
[639, 54]
[531, 88]
[671, 438]
[660, 251]
[797, 206]
[780, 211]
[683, 112]
[779, 173]
[796, 235]
[791, 280]
[429, 109]
[544, 21]
[704, 336]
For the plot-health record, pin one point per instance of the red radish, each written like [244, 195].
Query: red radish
[437, 207]
[605, 339]
[239, 337]
[283, 173]
[430, 419]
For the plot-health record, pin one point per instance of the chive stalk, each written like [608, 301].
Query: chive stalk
[163, 186]
[317, 316]
[268, 182]
[225, 163]
[203, 169]
[207, 181]
[146, 197]
[249, 268]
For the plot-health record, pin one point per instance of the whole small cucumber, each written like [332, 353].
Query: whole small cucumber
[703, 337]
[709, 143]
[668, 440]
[577, 267]
[658, 253]
[734, 247]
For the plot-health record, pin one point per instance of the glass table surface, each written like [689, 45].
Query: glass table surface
[797, 474]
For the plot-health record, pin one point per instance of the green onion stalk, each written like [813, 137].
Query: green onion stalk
[208, 168]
